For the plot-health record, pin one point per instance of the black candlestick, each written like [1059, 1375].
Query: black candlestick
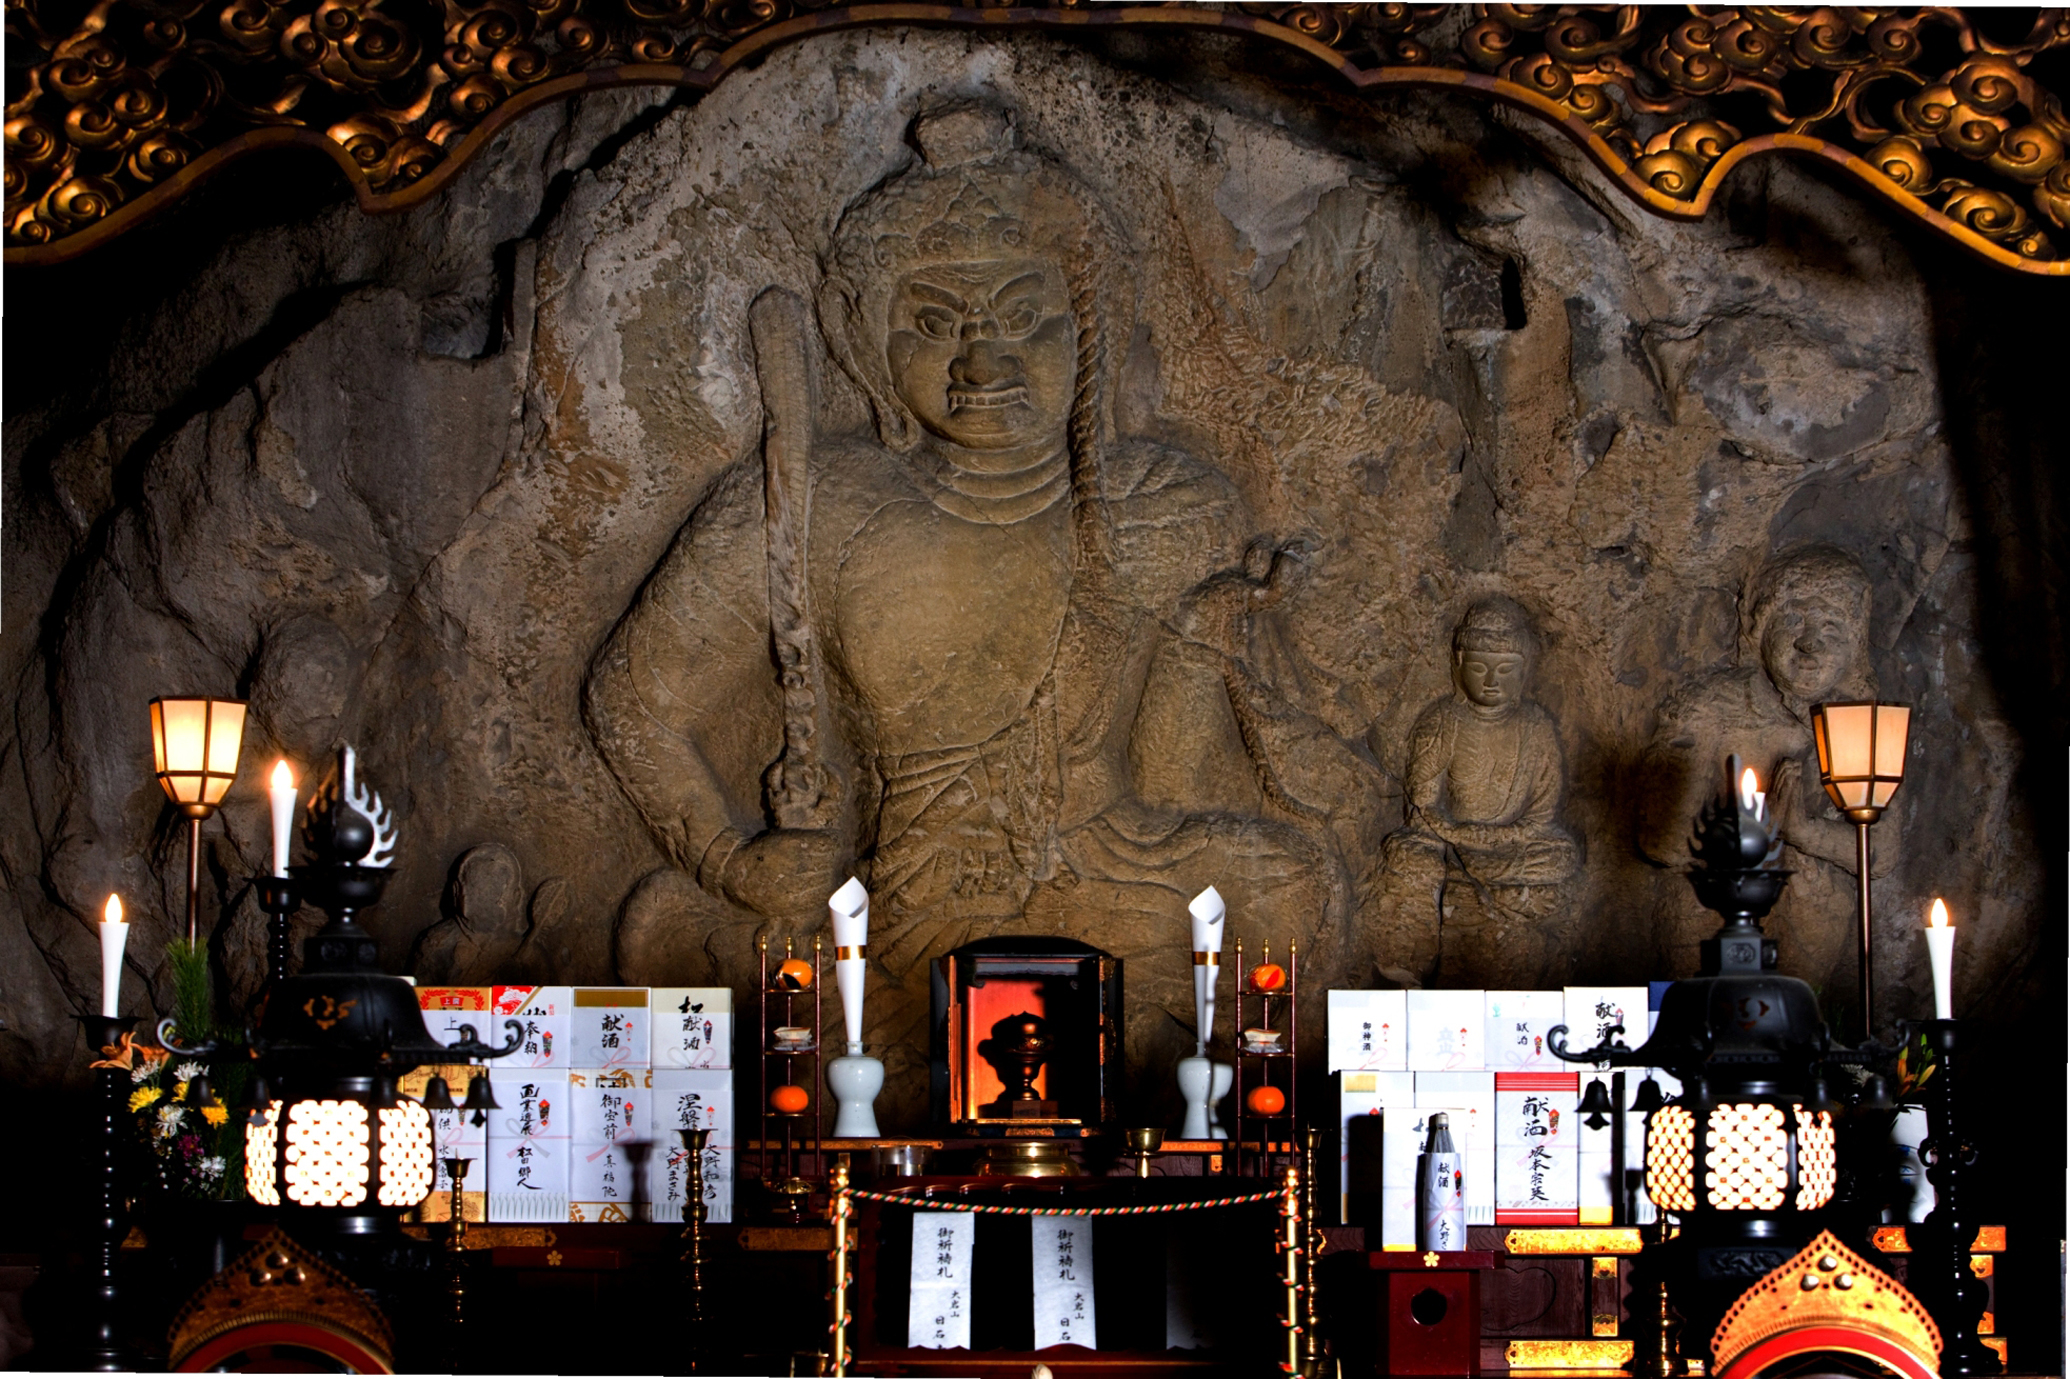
[281, 898]
[1940, 1274]
[104, 1349]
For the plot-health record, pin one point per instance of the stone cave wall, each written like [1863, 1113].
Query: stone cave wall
[428, 483]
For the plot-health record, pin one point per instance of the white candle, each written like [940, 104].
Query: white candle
[850, 909]
[283, 796]
[1208, 912]
[114, 937]
[1940, 953]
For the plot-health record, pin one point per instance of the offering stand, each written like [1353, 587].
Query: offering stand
[789, 1095]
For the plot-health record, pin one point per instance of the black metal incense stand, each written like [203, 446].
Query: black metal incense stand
[1940, 1274]
[104, 1349]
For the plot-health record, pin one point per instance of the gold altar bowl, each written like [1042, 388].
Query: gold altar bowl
[1027, 1159]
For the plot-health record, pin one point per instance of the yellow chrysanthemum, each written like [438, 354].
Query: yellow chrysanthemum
[214, 1115]
[179, 1091]
[142, 1097]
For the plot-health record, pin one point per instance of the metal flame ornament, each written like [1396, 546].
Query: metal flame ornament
[347, 822]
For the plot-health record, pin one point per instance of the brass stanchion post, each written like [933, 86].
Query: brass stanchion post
[842, 1206]
[1290, 1246]
[692, 1259]
[1312, 1360]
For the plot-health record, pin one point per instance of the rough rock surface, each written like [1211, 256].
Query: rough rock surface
[402, 483]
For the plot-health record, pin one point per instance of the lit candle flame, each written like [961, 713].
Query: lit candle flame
[1937, 918]
[283, 779]
[1749, 786]
[112, 913]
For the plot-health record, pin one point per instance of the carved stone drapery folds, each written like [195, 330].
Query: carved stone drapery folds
[122, 105]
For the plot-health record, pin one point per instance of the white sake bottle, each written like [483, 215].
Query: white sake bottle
[1441, 1191]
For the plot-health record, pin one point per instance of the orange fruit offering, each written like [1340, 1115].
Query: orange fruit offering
[794, 975]
[1268, 976]
[1266, 1101]
[789, 1099]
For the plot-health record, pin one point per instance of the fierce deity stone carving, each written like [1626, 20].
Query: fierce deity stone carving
[1011, 643]
[1805, 639]
[1485, 780]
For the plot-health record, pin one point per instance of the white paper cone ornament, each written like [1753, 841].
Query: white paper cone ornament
[850, 909]
[1208, 912]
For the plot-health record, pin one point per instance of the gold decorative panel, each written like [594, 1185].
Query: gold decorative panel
[116, 109]
[1573, 1240]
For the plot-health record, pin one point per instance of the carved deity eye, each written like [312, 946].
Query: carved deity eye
[1018, 317]
[936, 323]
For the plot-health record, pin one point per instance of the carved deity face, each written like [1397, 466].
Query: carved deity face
[1809, 644]
[985, 354]
[1491, 679]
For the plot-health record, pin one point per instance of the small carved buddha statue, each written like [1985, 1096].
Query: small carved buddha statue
[1486, 772]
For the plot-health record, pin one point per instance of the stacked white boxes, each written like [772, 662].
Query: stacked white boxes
[530, 1138]
[1484, 1057]
[591, 1101]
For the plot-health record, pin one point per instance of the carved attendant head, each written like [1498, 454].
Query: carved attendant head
[1493, 650]
[1809, 621]
[967, 293]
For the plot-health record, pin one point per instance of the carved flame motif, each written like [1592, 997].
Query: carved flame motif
[115, 109]
[1827, 1285]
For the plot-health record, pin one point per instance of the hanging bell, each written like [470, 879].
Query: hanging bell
[1595, 1108]
[256, 1099]
[199, 1092]
[1647, 1099]
[481, 1099]
[437, 1095]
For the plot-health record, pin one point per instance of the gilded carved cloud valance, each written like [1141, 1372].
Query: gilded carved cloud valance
[117, 107]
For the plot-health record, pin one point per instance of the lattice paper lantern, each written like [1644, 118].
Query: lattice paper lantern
[339, 1152]
[1752, 1156]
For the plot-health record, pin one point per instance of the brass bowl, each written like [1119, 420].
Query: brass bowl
[1144, 1139]
[1027, 1159]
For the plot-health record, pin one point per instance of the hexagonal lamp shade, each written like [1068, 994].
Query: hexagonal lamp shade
[195, 743]
[1861, 755]
[1752, 1155]
[340, 1152]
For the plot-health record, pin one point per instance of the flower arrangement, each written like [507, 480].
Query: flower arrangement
[198, 1152]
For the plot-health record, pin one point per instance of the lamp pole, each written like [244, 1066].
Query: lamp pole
[1861, 764]
[1867, 969]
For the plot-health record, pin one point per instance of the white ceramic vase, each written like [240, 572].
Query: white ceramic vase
[1203, 1082]
[855, 1081]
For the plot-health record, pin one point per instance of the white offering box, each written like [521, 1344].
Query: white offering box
[1473, 1133]
[529, 1145]
[1447, 1031]
[1369, 1031]
[1517, 1025]
[611, 1027]
[1365, 1094]
[693, 1026]
[1592, 1011]
[612, 1143]
[1406, 1132]
[544, 1013]
[447, 1008]
[685, 1099]
[1537, 1157]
